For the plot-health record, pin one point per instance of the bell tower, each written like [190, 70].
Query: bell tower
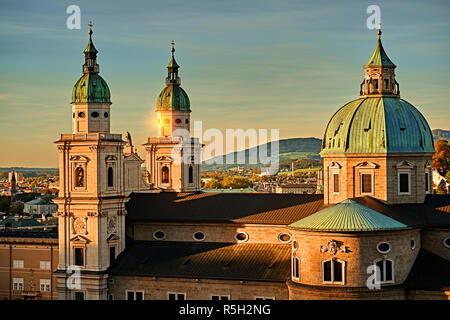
[91, 199]
[173, 157]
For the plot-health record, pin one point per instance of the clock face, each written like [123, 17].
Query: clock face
[111, 224]
[80, 225]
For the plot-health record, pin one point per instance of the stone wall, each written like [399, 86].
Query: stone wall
[201, 289]
[360, 253]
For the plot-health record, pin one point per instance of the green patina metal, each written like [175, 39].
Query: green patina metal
[90, 47]
[173, 98]
[379, 57]
[91, 88]
[377, 125]
[173, 63]
[348, 216]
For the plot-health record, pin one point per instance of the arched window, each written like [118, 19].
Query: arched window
[79, 177]
[165, 174]
[191, 174]
[333, 271]
[386, 269]
[110, 177]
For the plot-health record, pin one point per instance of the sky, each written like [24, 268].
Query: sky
[279, 64]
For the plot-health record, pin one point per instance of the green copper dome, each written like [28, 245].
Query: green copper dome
[348, 216]
[377, 125]
[91, 88]
[173, 98]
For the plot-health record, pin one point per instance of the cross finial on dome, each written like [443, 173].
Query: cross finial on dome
[173, 47]
[90, 28]
[379, 30]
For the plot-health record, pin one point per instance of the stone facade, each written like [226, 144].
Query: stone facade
[358, 252]
[384, 169]
[158, 288]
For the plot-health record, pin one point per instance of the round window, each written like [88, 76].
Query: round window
[241, 236]
[159, 235]
[81, 114]
[177, 121]
[447, 242]
[106, 115]
[95, 114]
[413, 244]
[199, 236]
[383, 247]
[284, 237]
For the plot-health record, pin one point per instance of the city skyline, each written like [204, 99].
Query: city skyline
[272, 67]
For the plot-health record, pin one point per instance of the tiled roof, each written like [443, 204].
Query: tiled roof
[277, 209]
[260, 208]
[349, 216]
[242, 261]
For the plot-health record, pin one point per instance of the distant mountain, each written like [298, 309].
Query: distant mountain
[294, 148]
[441, 134]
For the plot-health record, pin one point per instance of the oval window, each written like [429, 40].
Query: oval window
[106, 115]
[447, 242]
[159, 235]
[73, 115]
[95, 114]
[199, 236]
[284, 237]
[383, 247]
[295, 244]
[81, 114]
[413, 244]
[241, 236]
[177, 121]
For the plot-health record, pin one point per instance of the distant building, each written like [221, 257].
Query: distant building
[27, 260]
[18, 176]
[40, 207]
[299, 188]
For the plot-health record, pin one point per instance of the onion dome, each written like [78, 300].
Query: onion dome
[173, 97]
[348, 216]
[91, 87]
[379, 121]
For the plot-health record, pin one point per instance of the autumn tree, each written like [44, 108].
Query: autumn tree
[441, 159]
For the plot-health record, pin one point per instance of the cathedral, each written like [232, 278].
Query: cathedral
[377, 231]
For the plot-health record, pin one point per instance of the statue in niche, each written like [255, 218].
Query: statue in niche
[79, 177]
[165, 175]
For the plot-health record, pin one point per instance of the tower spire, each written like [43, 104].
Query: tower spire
[379, 75]
[172, 69]
[90, 54]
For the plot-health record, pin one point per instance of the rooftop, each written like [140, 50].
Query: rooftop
[348, 216]
[242, 261]
[270, 208]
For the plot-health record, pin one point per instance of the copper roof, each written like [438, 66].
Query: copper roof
[348, 216]
[242, 261]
